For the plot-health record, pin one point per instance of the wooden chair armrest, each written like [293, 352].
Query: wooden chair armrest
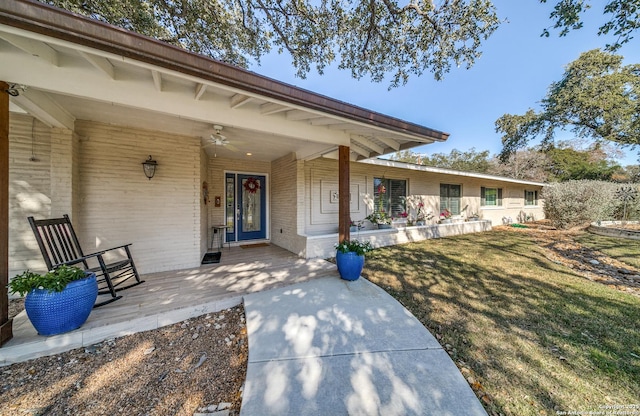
[119, 247]
[109, 249]
[81, 259]
[97, 254]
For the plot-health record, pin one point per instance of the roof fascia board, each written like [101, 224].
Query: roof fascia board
[57, 23]
[430, 169]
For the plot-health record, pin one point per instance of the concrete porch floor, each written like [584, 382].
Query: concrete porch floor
[169, 297]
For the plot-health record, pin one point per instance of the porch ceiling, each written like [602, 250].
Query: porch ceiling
[68, 80]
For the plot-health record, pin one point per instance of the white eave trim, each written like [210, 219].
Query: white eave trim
[430, 169]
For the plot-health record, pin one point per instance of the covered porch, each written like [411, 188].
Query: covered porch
[83, 104]
[173, 296]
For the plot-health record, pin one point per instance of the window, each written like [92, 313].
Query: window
[490, 197]
[389, 195]
[450, 198]
[531, 197]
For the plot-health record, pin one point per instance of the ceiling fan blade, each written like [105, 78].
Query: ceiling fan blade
[232, 148]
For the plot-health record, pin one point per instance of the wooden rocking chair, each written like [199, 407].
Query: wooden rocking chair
[59, 245]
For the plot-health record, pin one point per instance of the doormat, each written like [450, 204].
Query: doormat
[210, 258]
[255, 245]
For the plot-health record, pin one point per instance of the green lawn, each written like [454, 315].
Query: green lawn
[530, 335]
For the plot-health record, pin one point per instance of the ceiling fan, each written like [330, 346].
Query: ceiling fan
[218, 139]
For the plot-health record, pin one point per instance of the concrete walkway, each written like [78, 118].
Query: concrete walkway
[332, 347]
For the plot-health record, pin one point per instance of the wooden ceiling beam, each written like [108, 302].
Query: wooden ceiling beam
[363, 141]
[157, 80]
[238, 100]
[33, 47]
[390, 142]
[200, 89]
[44, 108]
[101, 64]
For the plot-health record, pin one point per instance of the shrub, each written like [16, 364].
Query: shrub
[358, 247]
[574, 203]
[53, 281]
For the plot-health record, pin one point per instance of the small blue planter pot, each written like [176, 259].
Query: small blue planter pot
[53, 313]
[350, 265]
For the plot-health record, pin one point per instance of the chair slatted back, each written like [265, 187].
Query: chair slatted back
[57, 240]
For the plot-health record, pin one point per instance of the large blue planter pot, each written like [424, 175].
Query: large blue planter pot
[53, 313]
[350, 265]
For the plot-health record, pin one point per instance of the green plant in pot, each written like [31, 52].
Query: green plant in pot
[380, 218]
[57, 301]
[350, 258]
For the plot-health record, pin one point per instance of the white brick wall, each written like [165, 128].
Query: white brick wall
[323, 245]
[161, 216]
[320, 172]
[287, 203]
[29, 190]
[62, 157]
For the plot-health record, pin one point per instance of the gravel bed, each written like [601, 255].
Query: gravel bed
[192, 367]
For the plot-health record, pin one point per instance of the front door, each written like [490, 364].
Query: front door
[245, 208]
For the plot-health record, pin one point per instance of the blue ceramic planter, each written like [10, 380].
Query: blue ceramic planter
[350, 265]
[53, 313]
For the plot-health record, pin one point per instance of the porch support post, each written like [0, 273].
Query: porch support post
[344, 205]
[6, 324]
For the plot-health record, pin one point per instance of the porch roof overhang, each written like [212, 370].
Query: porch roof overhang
[78, 68]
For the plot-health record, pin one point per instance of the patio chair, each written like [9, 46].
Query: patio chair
[59, 245]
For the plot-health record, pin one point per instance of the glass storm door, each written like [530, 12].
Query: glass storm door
[245, 207]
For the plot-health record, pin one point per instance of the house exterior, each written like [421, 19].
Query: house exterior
[491, 199]
[255, 159]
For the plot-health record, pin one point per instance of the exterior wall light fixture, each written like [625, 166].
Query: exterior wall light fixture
[149, 167]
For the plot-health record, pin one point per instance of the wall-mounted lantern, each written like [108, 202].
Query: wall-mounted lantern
[149, 167]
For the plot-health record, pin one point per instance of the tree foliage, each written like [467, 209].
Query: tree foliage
[468, 161]
[597, 98]
[627, 174]
[624, 19]
[371, 38]
[526, 164]
[567, 163]
[375, 38]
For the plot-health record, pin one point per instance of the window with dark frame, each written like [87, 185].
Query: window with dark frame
[490, 197]
[530, 198]
[450, 198]
[389, 196]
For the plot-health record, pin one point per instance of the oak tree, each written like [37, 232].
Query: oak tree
[597, 99]
[379, 39]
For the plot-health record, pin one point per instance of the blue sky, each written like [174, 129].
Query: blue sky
[513, 74]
